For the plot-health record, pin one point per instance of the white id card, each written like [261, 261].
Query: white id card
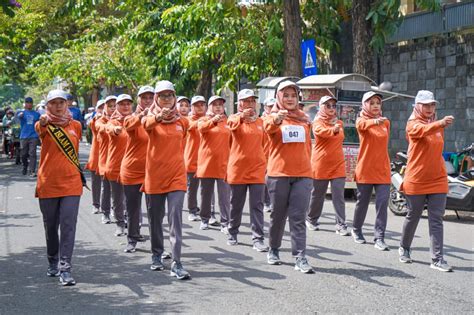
[292, 133]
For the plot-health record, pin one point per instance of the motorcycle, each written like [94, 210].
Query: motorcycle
[460, 196]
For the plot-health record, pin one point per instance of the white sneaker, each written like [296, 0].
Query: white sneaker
[311, 226]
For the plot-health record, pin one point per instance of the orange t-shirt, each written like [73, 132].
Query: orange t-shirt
[426, 171]
[57, 176]
[165, 171]
[192, 146]
[327, 158]
[288, 159]
[103, 140]
[132, 170]
[247, 161]
[373, 162]
[93, 162]
[117, 147]
[213, 154]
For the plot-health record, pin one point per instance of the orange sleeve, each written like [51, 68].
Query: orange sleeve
[109, 128]
[364, 124]
[100, 125]
[132, 122]
[205, 124]
[40, 130]
[322, 131]
[193, 124]
[416, 130]
[234, 121]
[149, 122]
[269, 125]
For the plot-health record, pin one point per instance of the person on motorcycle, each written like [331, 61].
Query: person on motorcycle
[373, 169]
[425, 178]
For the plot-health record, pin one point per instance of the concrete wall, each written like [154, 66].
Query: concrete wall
[444, 65]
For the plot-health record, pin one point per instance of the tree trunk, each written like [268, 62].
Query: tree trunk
[292, 38]
[204, 87]
[364, 55]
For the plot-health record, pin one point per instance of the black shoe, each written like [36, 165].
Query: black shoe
[157, 265]
[141, 238]
[178, 271]
[66, 279]
[52, 271]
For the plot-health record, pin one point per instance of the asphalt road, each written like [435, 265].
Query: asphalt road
[349, 278]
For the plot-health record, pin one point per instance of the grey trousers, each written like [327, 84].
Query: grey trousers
[364, 192]
[290, 199]
[156, 213]
[133, 204]
[193, 185]
[436, 207]
[237, 202]
[118, 202]
[96, 185]
[28, 153]
[207, 194]
[105, 196]
[60, 213]
[318, 195]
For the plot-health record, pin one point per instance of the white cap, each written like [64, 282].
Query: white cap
[90, 108]
[326, 98]
[123, 97]
[245, 93]
[285, 84]
[370, 94]
[269, 101]
[56, 94]
[181, 98]
[197, 98]
[425, 97]
[99, 104]
[146, 89]
[74, 103]
[164, 86]
[215, 98]
[42, 102]
[110, 97]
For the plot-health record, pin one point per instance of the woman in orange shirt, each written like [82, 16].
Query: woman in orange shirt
[246, 169]
[289, 174]
[59, 184]
[267, 108]
[103, 139]
[92, 164]
[328, 165]
[373, 169]
[213, 156]
[165, 175]
[198, 110]
[425, 180]
[115, 154]
[132, 169]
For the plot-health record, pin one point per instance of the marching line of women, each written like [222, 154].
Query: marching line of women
[169, 146]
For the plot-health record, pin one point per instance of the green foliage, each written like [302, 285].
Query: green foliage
[386, 18]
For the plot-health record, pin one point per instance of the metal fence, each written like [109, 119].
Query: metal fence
[451, 18]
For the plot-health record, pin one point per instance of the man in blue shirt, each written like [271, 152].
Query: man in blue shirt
[28, 137]
[74, 109]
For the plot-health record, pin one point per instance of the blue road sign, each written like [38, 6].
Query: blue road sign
[308, 54]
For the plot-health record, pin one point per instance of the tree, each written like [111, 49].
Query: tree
[292, 38]
[362, 31]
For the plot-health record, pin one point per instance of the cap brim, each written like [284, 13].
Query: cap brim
[428, 102]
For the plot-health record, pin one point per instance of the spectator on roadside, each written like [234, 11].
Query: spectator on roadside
[28, 136]
[74, 109]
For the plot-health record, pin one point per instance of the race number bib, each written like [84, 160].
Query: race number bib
[292, 133]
